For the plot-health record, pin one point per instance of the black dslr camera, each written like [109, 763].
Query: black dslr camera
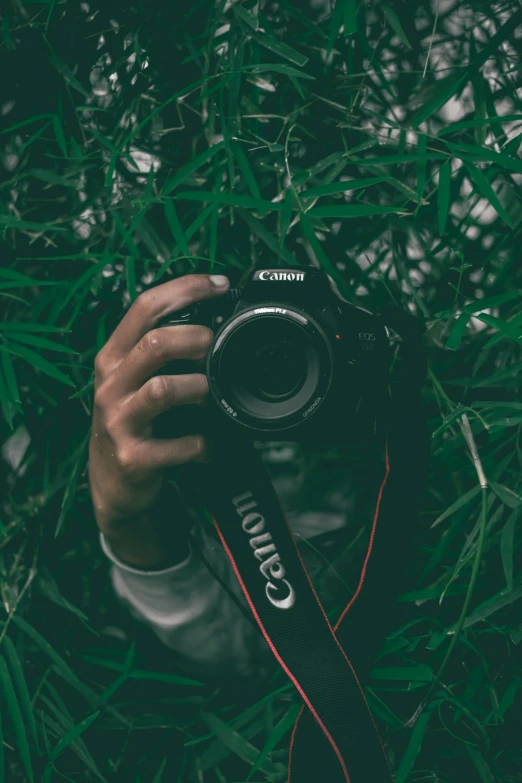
[290, 361]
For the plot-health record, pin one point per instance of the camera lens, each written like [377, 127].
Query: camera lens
[276, 369]
[270, 368]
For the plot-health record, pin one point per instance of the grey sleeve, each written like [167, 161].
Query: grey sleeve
[191, 612]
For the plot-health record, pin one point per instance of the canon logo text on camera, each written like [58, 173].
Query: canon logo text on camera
[267, 274]
[281, 595]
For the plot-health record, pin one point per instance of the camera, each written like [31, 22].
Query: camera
[290, 360]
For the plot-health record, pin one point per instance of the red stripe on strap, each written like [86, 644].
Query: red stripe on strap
[370, 545]
[280, 660]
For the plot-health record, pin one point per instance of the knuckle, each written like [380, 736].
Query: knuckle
[100, 365]
[101, 397]
[196, 446]
[113, 427]
[126, 459]
[156, 389]
[203, 337]
[145, 301]
[152, 342]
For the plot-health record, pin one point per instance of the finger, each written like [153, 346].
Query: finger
[156, 349]
[161, 393]
[153, 305]
[158, 453]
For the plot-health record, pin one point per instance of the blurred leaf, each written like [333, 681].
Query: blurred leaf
[414, 746]
[68, 738]
[444, 195]
[20, 686]
[175, 226]
[13, 710]
[237, 744]
[507, 541]
[280, 48]
[487, 191]
[353, 211]
[37, 361]
[395, 23]
[185, 171]
[279, 731]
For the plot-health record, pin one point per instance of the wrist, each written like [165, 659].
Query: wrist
[154, 538]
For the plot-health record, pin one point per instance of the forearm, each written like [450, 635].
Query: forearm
[190, 611]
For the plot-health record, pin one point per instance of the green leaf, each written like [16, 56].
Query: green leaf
[280, 48]
[63, 669]
[492, 605]
[80, 461]
[446, 89]
[246, 171]
[20, 685]
[185, 171]
[267, 237]
[353, 211]
[350, 17]
[483, 185]
[507, 546]
[477, 123]
[390, 160]
[444, 195]
[458, 331]
[277, 734]
[420, 673]
[286, 216]
[341, 187]
[130, 273]
[230, 198]
[510, 498]
[142, 674]
[491, 301]
[506, 328]
[37, 361]
[395, 23]
[175, 225]
[475, 153]
[287, 70]
[13, 710]
[484, 772]
[10, 379]
[311, 236]
[6, 401]
[414, 746]
[42, 342]
[68, 738]
[458, 504]
[421, 165]
[237, 744]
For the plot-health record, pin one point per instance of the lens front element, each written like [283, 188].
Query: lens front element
[268, 366]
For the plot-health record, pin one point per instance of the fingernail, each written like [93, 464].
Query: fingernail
[220, 281]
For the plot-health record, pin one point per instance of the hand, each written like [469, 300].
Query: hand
[126, 463]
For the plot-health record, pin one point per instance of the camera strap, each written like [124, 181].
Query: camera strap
[335, 738]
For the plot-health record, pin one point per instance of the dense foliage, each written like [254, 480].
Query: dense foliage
[141, 140]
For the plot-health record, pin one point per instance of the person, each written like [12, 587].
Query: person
[166, 566]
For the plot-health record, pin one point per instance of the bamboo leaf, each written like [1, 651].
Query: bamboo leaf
[395, 23]
[414, 746]
[484, 186]
[20, 685]
[13, 710]
[444, 195]
[37, 361]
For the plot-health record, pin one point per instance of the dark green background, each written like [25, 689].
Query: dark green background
[142, 140]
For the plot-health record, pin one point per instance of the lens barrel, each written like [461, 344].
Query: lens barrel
[270, 367]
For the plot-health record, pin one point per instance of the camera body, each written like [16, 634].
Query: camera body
[290, 361]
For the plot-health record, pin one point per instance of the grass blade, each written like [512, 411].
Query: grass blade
[13, 710]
